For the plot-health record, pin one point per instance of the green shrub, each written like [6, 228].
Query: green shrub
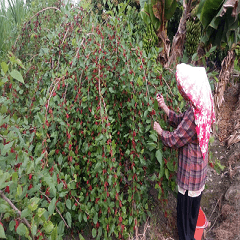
[77, 143]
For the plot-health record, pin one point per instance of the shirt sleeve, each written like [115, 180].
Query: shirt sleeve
[173, 119]
[185, 132]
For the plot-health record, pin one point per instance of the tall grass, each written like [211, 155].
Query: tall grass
[11, 18]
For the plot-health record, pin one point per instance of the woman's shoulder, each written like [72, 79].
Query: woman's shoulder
[189, 113]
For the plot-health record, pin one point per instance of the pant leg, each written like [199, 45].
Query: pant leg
[187, 215]
[194, 214]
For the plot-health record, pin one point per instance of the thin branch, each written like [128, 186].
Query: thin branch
[43, 11]
[2, 136]
[33, 17]
[167, 84]
[214, 222]
[79, 204]
[56, 209]
[51, 92]
[216, 206]
[62, 44]
[15, 208]
[84, 39]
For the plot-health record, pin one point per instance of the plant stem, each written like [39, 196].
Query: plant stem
[15, 208]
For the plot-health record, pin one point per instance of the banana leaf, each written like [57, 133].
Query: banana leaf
[169, 11]
[142, 3]
[209, 9]
[145, 16]
[155, 21]
[224, 26]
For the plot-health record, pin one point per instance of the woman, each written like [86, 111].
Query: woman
[191, 138]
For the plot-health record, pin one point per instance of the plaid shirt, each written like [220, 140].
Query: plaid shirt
[192, 169]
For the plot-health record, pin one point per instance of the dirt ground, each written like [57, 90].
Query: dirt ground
[221, 198]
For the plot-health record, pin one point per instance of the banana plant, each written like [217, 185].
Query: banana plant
[158, 13]
[221, 21]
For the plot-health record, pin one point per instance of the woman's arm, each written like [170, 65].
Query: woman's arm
[184, 134]
[173, 119]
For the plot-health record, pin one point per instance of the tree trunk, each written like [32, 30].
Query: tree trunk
[179, 38]
[224, 77]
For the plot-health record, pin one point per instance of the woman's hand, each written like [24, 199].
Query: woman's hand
[160, 100]
[162, 104]
[157, 128]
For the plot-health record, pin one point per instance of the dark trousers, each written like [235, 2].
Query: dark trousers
[187, 215]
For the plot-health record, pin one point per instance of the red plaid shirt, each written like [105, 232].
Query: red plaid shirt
[192, 169]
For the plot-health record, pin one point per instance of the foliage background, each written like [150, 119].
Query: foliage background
[78, 152]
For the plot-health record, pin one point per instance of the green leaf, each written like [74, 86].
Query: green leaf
[81, 237]
[33, 228]
[85, 217]
[142, 2]
[19, 190]
[69, 218]
[17, 75]
[111, 90]
[169, 11]
[61, 226]
[15, 177]
[170, 166]
[50, 183]
[48, 227]
[25, 213]
[4, 67]
[22, 230]
[154, 137]
[68, 204]
[54, 235]
[40, 212]
[3, 109]
[43, 51]
[33, 204]
[11, 226]
[2, 232]
[3, 177]
[159, 156]
[19, 62]
[209, 10]
[151, 145]
[6, 148]
[155, 106]
[166, 173]
[161, 171]
[212, 49]
[51, 206]
[95, 219]
[130, 220]
[94, 232]
[145, 17]
[99, 233]
[139, 81]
